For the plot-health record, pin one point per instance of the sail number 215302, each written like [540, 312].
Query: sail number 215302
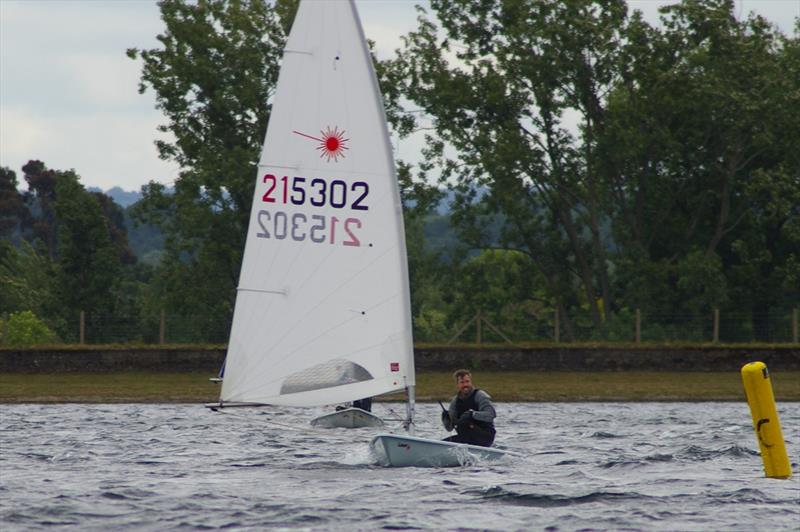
[317, 192]
[289, 192]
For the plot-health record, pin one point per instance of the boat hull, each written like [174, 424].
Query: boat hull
[394, 450]
[349, 418]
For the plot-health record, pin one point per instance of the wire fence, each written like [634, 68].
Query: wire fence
[632, 327]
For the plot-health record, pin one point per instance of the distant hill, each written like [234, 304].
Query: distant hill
[123, 198]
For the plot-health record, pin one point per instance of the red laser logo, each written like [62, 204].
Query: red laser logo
[331, 145]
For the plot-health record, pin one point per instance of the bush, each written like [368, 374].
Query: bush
[24, 328]
[430, 325]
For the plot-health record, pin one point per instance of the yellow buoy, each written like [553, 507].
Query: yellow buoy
[758, 388]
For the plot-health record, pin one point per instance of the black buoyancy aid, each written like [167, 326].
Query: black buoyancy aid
[470, 403]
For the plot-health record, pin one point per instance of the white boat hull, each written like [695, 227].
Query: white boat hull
[394, 450]
[349, 418]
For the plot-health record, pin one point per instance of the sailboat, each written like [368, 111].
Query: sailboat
[353, 416]
[347, 418]
[323, 312]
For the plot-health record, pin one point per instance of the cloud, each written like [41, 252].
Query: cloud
[104, 80]
[68, 93]
[386, 21]
[18, 132]
[106, 148]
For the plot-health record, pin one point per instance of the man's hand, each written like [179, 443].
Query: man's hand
[465, 418]
[447, 421]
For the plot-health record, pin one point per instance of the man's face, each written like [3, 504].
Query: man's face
[464, 384]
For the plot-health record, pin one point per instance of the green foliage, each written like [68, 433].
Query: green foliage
[430, 325]
[88, 260]
[71, 247]
[500, 88]
[701, 285]
[703, 142]
[665, 194]
[27, 278]
[114, 219]
[146, 240]
[494, 282]
[41, 197]
[24, 328]
[595, 165]
[621, 327]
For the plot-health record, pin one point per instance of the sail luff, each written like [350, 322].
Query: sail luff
[401, 233]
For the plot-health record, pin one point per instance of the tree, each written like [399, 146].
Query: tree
[88, 259]
[763, 256]
[115, 222]
[70, 254]
[501, 80]
[27, 280]
[608, 151]
[213, 78]
[703, 165]
[497, 283]
[41, 199]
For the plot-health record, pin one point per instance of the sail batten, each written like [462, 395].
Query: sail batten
[282, 291]
[322, 311]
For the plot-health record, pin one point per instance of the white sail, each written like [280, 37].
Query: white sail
[322, 311]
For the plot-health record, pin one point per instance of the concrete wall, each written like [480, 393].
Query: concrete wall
[110, 359]
[185, 359]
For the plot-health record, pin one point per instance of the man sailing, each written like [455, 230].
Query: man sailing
[471, 413]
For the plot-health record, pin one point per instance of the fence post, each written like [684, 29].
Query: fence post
[161, 329]
[478, 325]
[556, 328]
[83, 328]
[794, 325]
[638, 326]
[716, 325]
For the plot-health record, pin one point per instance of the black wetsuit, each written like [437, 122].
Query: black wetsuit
[364, 404]
[479, 429]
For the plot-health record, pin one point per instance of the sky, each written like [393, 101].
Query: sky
[69, 94]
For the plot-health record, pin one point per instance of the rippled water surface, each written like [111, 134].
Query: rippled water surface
[646, 466]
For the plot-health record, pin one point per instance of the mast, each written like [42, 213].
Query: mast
[409, 423]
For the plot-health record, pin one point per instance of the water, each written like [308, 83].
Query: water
[621, 466]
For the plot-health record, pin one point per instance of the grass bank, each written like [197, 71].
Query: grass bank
[141, 387]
